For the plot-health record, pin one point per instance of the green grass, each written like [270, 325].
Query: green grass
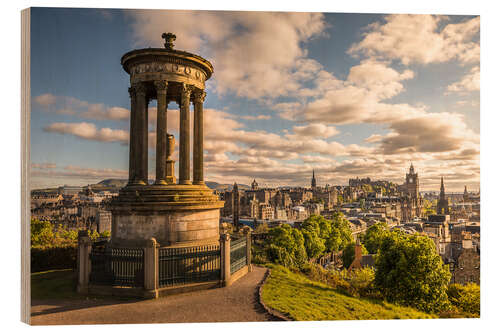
[302, 299]
[54, 284]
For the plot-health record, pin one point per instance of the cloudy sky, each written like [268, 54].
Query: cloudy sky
[348, 95]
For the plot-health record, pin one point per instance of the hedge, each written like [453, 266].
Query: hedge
[56, 257]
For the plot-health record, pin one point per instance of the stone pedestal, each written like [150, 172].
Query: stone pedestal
[170, 178]
[84, 265]
[175, 215]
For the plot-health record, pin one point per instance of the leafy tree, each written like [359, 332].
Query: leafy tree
[348, 254]
[262, 228]
[334, 234]
[410, 272]
[341, 234]
[314, 244]
[41, 232]
[105, 234]
[286, 246]
[465, 298]
[374, 236]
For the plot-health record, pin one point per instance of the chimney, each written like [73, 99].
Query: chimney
[358, 253]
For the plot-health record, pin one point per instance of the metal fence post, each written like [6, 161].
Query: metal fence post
[248, 234]
[151, 268]
[84, 264]
[225, 258]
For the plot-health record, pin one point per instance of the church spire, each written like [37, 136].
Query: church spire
[441, 192]
[313, 181]
[442, 205]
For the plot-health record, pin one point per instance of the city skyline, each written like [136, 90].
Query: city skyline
[348, 95]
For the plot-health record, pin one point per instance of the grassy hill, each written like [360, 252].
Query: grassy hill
[302, 299]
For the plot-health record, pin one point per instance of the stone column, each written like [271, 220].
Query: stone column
[84, 265]
[184, 137]
[161, 132]
[225, 259]
[142, 134]
[151, 268]
[199, 98]
[132, 168]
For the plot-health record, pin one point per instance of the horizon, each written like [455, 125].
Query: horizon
[348, 95]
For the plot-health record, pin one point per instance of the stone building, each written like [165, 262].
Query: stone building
[357, 182]
[437, 227]
[465, 263]
[103, 221]
[266, 211]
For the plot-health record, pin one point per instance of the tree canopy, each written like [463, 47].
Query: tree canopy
[374, 236]
[317, 235]
[409, 271]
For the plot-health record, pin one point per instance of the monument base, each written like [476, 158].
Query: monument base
[175, 215]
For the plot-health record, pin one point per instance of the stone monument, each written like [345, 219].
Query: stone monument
[179, 214]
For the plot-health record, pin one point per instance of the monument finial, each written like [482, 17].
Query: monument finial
[169, 40]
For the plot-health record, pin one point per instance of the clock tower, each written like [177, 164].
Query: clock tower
[412, 183]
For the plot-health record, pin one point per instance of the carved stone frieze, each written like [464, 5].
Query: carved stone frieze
[145, 71]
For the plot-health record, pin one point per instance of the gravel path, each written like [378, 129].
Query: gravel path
[235, 303]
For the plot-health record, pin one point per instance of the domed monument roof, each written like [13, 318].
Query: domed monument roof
[167, 64]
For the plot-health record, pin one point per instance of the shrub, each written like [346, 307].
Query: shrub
[362, 282]
[465, 298]
[355, 283]
[48, 258]
[53, 247]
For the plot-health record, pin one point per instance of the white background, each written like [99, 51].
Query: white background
[490, 164]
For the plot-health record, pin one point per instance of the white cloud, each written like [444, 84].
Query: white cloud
[428, 133]
[258, 117]
[316, 131]
[470, 82]
[256, 54]
[78, 172]
[89, 131]
[43, 165]
[419, 39]
[45, 100]
[72, 106]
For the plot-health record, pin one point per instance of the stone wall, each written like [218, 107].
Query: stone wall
[169, 228]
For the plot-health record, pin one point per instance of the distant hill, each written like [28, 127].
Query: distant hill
[111, 183]
[118, 183]
[225, 187]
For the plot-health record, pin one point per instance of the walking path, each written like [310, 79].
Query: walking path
[236, 303]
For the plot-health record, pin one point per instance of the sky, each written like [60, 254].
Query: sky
[348, 95]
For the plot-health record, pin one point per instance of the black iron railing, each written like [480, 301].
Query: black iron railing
[189, 265]
[117, 266]
[238, 254]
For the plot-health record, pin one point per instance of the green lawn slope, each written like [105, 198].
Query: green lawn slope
[54, 284]
[302, 299]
